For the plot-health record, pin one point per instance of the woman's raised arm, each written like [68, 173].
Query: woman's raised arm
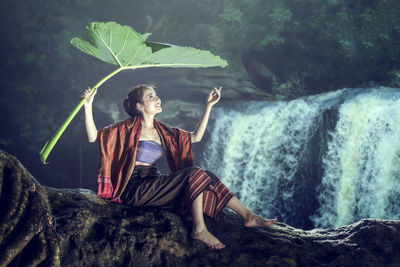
[91, 129]
[212, 99]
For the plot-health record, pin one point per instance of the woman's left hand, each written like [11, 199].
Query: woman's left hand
[213, 96]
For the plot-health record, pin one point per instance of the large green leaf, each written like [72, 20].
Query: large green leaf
[124, 47]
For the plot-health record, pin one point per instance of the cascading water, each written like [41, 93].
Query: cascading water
[362, 165]
[283, 159]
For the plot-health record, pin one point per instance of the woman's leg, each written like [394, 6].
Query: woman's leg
[200, 231]
[250, 218]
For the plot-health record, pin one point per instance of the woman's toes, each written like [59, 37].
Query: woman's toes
[219, 246]
[208, 239]
[258, 221]
[268, 223]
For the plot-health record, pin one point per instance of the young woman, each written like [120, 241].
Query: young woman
[130, 149]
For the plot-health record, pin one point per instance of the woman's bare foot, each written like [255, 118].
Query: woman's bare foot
[207, 238]
[253, 220]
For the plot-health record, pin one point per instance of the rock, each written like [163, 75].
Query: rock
[95, 232]
[27, 236]
[192, 84]
[180, 113]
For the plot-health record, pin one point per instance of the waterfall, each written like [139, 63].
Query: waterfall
[256, 151]
[362, 164]
[281, 160]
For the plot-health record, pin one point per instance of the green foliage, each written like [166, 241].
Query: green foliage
[340, 43]
[290, 261]
[325, 45]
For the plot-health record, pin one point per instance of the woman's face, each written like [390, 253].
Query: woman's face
[151, 102]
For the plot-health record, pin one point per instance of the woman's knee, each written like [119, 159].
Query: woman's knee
[194, 169]
[212, 175]
[199, 170]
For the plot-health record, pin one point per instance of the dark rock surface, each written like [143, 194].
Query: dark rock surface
[91, 231]
[27, 234]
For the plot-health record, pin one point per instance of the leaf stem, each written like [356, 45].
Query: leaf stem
[44, 153]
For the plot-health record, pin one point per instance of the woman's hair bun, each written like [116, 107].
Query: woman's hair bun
[127, 106]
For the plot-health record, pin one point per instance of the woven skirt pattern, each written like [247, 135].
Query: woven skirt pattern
[149, 188]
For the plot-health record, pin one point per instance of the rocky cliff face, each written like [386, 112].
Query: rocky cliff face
[73, 227]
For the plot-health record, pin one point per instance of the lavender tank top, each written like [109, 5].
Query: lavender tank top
[148, 152]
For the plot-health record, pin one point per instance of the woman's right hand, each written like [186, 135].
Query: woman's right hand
[89, 97]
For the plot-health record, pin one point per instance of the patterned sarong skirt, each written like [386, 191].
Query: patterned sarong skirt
[147, 187]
